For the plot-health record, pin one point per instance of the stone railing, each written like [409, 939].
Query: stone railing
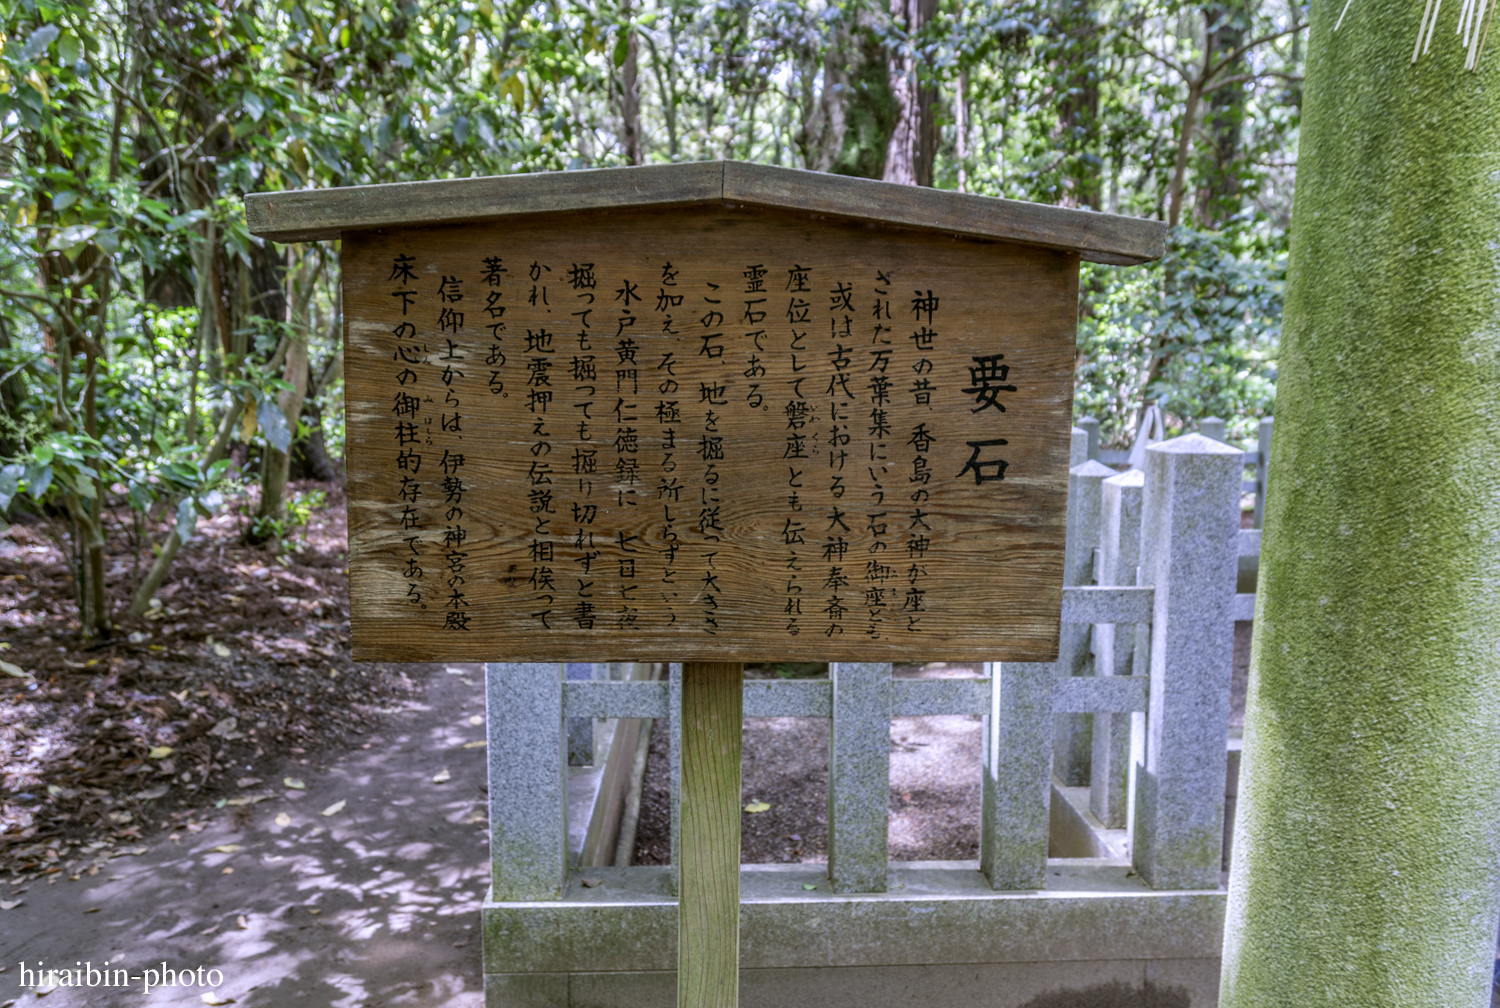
[1135, 709]
[1256, 460]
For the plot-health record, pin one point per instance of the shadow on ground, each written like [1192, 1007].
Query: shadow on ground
[362, 889]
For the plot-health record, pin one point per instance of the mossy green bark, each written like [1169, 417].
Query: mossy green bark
[1368, 834]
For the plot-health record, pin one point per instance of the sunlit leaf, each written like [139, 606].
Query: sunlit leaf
[38, 479]
[71, 236]
[10, 478]
[15, 671]
[187, 518]
[38, 42]
[273, 422]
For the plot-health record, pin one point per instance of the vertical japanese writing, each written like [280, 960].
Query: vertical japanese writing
[878, 572]
[539, 356]
[583, 464]
[920, 440]
[627, 452]
[712, 396]
[410, 353]
[841, 400]
[988, 377]
[800, 415]
[456, 614]
[732, 435]
[668, 413]
[494, 358]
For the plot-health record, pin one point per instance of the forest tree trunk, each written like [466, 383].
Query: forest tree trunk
[1366, 868]
[913, 145]
[1224, 119]
[1078, 130]
[278, 463]
[630, 92]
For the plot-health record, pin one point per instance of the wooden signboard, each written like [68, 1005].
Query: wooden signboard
[737, 431]
[707, 413]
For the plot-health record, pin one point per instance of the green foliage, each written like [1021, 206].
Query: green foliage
[280, 533]
[138, 317]
[1209, 314]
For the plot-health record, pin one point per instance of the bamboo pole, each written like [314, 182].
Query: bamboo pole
[708, 913]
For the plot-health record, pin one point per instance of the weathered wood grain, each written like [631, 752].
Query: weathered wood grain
[778, 556]
[312, 214]
[708, 910]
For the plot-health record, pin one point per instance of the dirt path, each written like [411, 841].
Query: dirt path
[373, 905]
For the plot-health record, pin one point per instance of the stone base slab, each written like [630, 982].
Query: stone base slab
[1097, 937]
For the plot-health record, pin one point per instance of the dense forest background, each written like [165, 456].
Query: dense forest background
[156, 359]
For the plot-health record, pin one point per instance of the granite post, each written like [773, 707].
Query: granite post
[1190, 555]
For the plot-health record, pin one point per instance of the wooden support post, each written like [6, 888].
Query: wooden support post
[708, 910]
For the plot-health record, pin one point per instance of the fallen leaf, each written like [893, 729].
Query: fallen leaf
[809, 886]
[476, 720]
[282, 819]
[222, 651]
[160, 752]
[589, 883]
[442, 778]
[93, 910]
[757, 806]
[10, 904]
[245, 782]
[180, 697]
[476, 817]
[335, 808]
[228, 848]
[293, 783]
[314, 912]
[227, 871]
[213, 998]
[475, 745]
[241, 923]
[15, 670]
[154, 792]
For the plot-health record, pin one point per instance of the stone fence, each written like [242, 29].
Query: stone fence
[1115, 754]
[1256, 459]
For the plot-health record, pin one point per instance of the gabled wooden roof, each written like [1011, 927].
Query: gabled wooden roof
[312, 214]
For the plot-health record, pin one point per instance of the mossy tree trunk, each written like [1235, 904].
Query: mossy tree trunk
[1367, 845]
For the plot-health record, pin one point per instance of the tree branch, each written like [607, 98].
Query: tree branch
[1235, 54]
[1165, 61]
